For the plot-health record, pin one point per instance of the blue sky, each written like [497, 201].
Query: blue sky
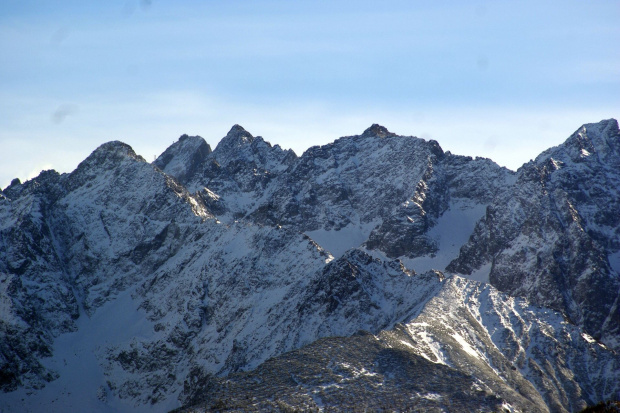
[500, 79]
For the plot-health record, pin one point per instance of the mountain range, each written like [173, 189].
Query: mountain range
[377, 272]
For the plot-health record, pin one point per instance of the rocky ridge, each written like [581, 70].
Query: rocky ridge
[139, 285]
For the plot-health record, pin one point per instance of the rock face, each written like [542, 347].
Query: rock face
[75, 241]
[183, 158]
[452, 180]
[393, 186]
[246, 273]
[554, 237]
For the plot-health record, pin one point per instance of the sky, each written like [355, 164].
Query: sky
[503, 80]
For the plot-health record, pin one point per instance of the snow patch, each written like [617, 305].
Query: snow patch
[431, 345]
[465, 346]
[614, 261]
[431, 396]
[451, 231]
[480, 275]
[337, 242]
[406, 343]
[81, 385]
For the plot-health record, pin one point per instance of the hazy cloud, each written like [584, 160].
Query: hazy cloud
[61, 113]
[59, 36]
[482, 62]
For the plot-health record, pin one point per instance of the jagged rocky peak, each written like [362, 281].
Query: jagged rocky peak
[601, 139]
[15, 182]
[183, 157]
[241, 147]
[234, 146]
[185, 136]
[603, 136]
[106, 157]
[378, 131]
[43, 183]
[436, 149]
[114, 147]
[237, 136]
[110, 153]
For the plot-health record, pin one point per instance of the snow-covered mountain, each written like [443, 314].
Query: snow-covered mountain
[554, 237]
[226, 277]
